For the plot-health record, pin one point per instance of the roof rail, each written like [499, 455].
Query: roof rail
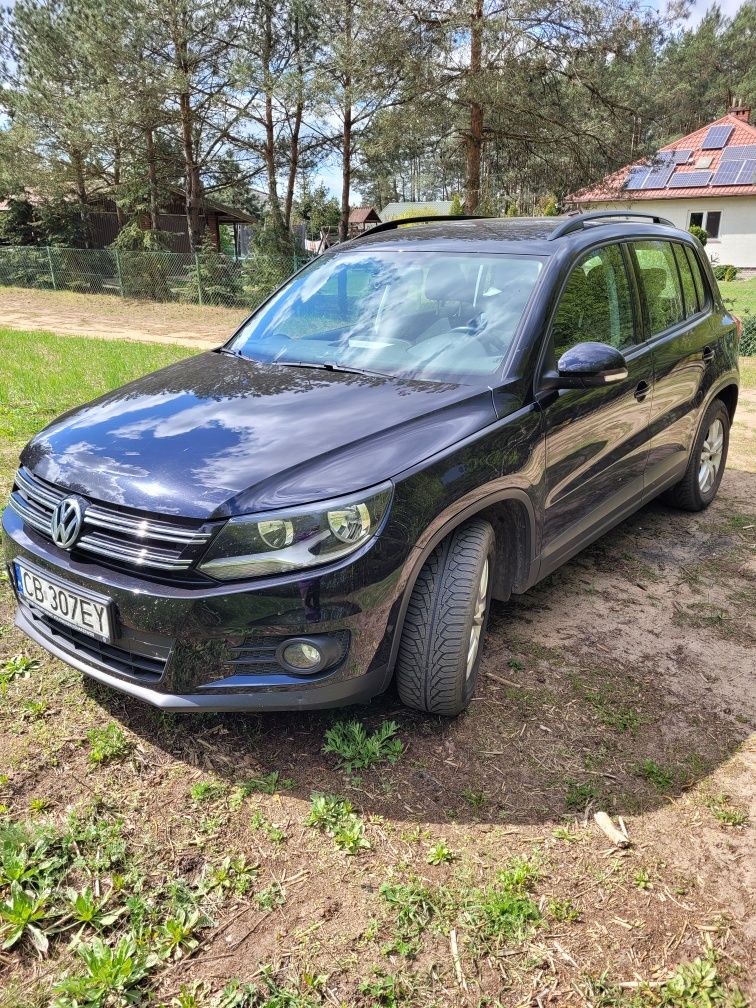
[423, 219]
[578, 221]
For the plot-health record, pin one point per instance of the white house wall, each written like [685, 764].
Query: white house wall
[736, 244]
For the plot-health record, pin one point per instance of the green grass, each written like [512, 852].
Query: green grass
[740, 296]
[43, 374]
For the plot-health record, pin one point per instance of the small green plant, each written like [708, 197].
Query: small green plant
[386, 990]
[440, 853]
[698, 232]
[175, 937]
[336, 817]
[111, 972]
[233, 874]
[270, 784]
[85, 909]
[107, 744]
[258, 821]
[642, 879]
[21, 916]
[505, 911]
[516, 665]
[206, 791]
[415, 905]
[661, 779]
[578, 796]
[475, 799]
[724, 812]
[270, 897]
[562, 910]
[358, 750]
[17, 666]
[38, 805]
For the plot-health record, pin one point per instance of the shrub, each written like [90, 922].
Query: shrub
[698, 232]
[725, 272]
[456, 209]
[748, 342]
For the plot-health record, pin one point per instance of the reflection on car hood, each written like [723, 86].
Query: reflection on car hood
[217, 435]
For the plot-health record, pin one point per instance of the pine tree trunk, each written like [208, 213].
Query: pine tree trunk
[77, 161]
[346, 144]
[274, 202]
[474, 137]
[152, 184]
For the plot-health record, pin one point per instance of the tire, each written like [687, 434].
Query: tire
[694, 492]
[434, 672]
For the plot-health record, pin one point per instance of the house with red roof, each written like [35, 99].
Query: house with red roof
[707, 178]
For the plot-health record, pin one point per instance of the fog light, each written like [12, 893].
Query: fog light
[302, 656]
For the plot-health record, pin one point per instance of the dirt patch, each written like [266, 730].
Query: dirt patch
[100, 315]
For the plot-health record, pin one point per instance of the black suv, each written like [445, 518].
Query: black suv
[421, 420]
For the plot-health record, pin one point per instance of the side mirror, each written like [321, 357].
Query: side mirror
[588, 365]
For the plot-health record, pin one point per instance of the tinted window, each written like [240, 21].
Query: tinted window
[690, 299]
[713, 220]
[595, 304]
[695, 269]
[429, 315]
[660, 286]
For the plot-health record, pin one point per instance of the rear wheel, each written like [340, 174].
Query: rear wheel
[698, 487]
[439, 652]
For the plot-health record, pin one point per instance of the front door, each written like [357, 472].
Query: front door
[596, 439]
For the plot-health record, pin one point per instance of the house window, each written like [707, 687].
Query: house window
[709, 222]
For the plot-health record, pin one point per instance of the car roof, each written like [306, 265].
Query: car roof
[516, 235]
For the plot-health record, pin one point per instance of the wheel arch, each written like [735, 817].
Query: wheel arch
[515, 563]
[729, 396]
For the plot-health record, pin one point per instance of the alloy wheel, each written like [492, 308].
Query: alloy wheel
[711, 456]
[479, 616]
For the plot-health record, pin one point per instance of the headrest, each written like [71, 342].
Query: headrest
[445, 280]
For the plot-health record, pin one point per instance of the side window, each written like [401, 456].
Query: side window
[596, 303]
[660, 286]
[690, 299]
[695, 269]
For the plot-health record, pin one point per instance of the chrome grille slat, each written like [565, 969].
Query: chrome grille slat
[131, 540]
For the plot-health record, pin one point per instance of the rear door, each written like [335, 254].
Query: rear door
[596, 439]
[677, 310]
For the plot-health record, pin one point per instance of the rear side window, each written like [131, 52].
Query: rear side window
[660, 286]
[690, 298]
[596, 303]
[695, 269]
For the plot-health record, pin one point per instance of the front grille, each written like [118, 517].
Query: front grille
[146, 668]
[123, 538]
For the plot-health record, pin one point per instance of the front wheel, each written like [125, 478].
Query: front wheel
[698, 487]
[439, 652]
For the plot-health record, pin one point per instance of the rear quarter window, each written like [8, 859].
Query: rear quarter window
[659, 283]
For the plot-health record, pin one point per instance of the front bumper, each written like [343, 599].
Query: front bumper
[213, 647]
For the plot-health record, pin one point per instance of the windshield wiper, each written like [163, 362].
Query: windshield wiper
[330, 367]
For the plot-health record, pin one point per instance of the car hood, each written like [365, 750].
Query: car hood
[218, 435]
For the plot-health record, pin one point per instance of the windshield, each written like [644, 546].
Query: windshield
[426, 315]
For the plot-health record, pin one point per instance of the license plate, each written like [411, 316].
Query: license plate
[78, 609]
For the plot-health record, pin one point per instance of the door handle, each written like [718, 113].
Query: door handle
[708, 353]
[641, 390]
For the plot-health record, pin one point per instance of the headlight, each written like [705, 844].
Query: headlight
[277, 542]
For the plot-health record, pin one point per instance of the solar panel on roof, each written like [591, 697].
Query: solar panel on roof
[747, 172]
[727, 173]
[657, 178]
[681, 156]
[636, 177]
[717, 137]
[694, 179]
[739, 152]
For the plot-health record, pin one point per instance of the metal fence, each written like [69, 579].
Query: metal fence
[207, 278]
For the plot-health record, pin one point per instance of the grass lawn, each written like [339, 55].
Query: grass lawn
[377, 858]
[740, 296]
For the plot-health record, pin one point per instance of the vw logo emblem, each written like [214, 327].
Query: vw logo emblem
[66, 522]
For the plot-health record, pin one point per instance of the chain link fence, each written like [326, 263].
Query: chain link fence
[207, 278]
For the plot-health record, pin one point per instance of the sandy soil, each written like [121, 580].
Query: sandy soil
[99, 315]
